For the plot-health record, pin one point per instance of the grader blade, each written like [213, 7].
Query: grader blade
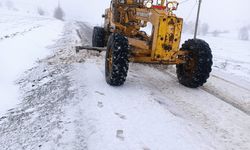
[99, 49]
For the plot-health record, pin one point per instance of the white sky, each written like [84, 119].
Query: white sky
[221, 14]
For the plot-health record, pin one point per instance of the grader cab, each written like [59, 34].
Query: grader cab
[125, 40]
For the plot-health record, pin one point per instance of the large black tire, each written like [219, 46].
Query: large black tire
[196, 71]
[116, 62]
[98, 37]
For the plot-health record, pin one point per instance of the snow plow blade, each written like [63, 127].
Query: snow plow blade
[99, 49]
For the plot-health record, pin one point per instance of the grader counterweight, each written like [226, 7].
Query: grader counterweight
[125, 41]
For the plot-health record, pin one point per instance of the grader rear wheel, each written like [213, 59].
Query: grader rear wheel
[98, 37]
[196, 71]
[116, 62]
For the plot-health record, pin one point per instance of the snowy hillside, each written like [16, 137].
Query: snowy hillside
[23, 39]
[64, 103]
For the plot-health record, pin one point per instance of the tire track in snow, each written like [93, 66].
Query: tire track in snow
[220, 95]
[230, 82]
[227, 100]
[12, 35]
[84, 32]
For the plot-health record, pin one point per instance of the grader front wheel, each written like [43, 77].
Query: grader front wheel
[116, 62]
[196, 71]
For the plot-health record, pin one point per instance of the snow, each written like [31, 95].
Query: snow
[24, 40]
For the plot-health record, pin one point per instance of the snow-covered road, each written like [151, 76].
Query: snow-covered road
[66, 104]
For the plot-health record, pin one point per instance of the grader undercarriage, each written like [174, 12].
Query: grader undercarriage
[125, 40]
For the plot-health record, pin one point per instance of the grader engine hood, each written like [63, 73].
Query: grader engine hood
[167, 37]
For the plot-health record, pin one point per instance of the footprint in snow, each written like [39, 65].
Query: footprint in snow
[100, 104]
[120, 116]
[100, 93]
[119, 135]
[2, 118]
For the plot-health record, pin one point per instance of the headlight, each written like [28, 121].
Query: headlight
[172, 5]
[148, 3]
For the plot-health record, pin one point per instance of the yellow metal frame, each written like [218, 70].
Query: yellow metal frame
[162, 46]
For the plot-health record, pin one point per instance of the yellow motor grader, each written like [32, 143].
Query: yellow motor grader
[125, 41]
